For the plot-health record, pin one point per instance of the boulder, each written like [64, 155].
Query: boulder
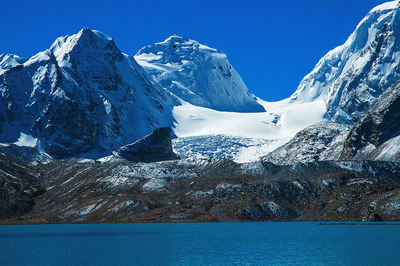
[153, 148]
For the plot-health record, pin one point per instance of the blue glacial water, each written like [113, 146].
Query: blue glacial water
[200, 244]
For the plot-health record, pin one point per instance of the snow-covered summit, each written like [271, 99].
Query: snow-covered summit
[197, 74]
[386, 6]
[8, 61]
[85, 39]
[82, 95]
[350, 77]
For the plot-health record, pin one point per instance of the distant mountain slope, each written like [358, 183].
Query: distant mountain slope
[197, 74]
[351, 77]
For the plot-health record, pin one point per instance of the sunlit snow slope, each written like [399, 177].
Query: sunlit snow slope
[351, 77]
[267, 130]
[216, 106]
[197, 74]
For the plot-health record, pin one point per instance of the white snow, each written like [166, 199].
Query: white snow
[91, 208]
[225, 186]
[360, 60]
[359, 181]
[389, 150]
[297, 184]
[204, 132]
[240, 149]
[67, 181]
[8, 174]
[154, 184]
[26, 140]
[197, 74]
[199, 194]
[273, 207]
[341, 208]
[122, 205]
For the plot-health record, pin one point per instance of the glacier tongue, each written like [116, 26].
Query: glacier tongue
[197, 74]
[351, 77]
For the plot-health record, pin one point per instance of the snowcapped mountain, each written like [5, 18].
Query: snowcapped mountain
[197, 74]
[82, 95]
[351, 77]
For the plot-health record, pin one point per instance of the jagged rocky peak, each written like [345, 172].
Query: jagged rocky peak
[153, 148]
[352, 76]
[197, 74]
[82, 95]
[86, 43]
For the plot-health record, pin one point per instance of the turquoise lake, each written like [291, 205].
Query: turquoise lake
[200, 244]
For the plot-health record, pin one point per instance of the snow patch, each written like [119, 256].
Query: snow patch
[26, 140]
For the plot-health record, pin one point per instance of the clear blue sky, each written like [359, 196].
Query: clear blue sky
[272, 44]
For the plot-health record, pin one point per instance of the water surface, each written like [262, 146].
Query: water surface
[200, 244]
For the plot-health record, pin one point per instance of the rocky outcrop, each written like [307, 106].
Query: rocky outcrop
[18, 188]
[153, 148]
[320, 142]
[376, 135]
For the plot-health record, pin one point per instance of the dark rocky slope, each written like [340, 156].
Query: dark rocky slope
[375, 136]
[86, 191]
[18, 187]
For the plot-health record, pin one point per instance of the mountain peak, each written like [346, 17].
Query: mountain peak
[94, 33]
[85, 40]
[175, 38]
[386, 6]
[197, 74]
[351, 77]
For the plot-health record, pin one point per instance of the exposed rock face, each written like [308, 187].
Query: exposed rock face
[153, 148]
[24, 154]
[320, 142]
[376, 135]
[18, 187]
